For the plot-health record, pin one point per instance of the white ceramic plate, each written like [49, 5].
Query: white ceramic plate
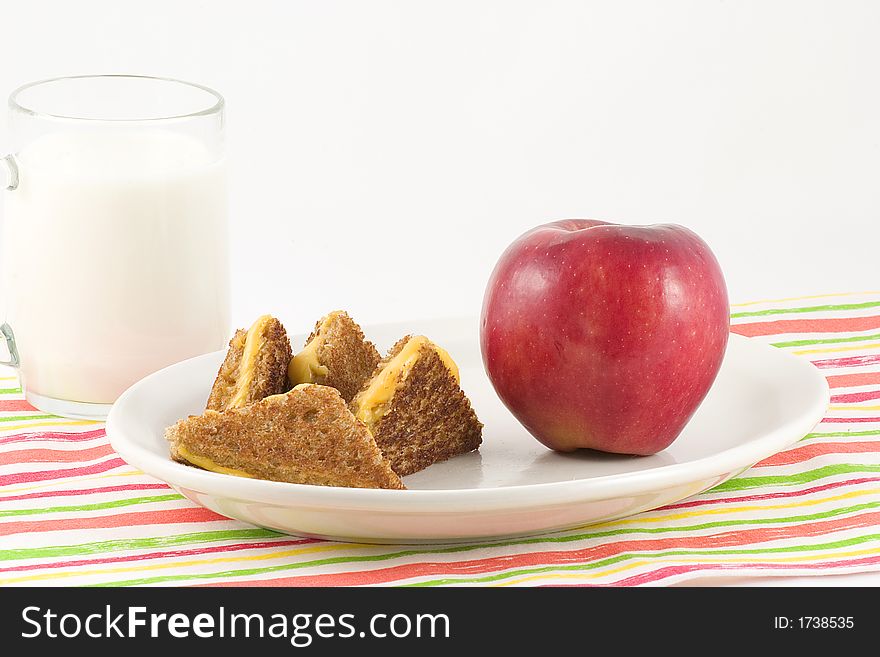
[762, 401]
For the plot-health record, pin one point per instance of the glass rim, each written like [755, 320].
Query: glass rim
[216, 107]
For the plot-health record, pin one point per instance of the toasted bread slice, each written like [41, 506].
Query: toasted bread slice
[305, 436]
[415, 409]
[336, 354]
[255, 366]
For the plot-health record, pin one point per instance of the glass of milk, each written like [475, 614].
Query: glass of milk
[115, 248]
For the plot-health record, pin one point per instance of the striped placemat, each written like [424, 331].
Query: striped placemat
[73, 513]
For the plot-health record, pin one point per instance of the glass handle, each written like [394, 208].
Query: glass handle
[11, 183]
[11, 172]
[13, 361]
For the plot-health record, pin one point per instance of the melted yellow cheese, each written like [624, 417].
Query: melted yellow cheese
[207, 464]
[373, 403]
[252, 344]
[305, 367]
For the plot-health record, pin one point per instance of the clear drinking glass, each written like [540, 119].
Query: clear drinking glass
[115, 247]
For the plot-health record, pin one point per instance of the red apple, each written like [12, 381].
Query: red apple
[605, 336]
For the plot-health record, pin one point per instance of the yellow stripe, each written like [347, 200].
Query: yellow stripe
[813, 296]
[333, 547]
[8, 378]
[678, 560]
[66, 423]
[739, 509]
[850, 407]
[858, 347]
[67, 482]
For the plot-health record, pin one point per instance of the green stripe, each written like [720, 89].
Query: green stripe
[806, 309]
[92, 507]
[8, 391]
[132, 544]
[841, 434]
[742, 483]
[466, 548]
[804, 343]
[12, 418]
[848, 542]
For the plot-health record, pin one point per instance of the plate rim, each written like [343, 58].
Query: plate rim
[523, 496]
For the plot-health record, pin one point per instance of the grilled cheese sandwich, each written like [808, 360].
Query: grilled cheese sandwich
[304, 436]
[255, 366]
[336, 354]
[415, 408]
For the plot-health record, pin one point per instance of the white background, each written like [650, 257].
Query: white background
[383, 154]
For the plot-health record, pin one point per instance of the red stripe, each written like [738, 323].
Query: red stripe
[671, 571]
[55, 455]
[770, 496]
[846, 398]
[83, 491]
[813, 450]
[171, 516]
[15, 405]
[477, 566]
[835, 325]
[161, 555]
[849, 361]
[45, 475]
[855, 397]
[851, 380]
[846, 420]
[51, 436]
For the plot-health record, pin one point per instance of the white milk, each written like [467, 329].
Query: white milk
[115, 259]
